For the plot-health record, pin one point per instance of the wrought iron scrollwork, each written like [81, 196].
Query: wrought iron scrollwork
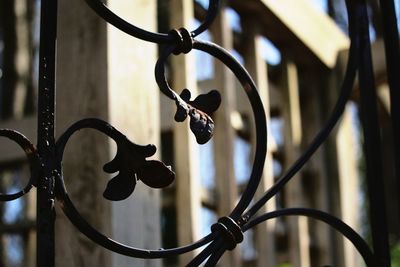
[33, 160]
[132, 164]
[130, 161]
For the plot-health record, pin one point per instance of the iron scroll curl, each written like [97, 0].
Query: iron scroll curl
[33, 160]
[140, 152]
[250, 88]
[103, 11]
[228, 230]
[131, 163]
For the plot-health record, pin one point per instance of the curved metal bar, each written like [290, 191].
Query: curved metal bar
[33, 159]
[83, 226]
[340, 105]
[103, 11]
[258, 111]
[130, 161]
[259, 116]
[205, 253]
[359, 243]
[212, 12]
[161, 79]
[215, 257]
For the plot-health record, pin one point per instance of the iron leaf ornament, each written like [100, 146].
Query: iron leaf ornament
[130, 161]
[199, 110]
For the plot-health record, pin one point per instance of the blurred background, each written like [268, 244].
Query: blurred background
[296, 52]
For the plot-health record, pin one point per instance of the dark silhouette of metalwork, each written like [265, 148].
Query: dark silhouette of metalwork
[130, 161]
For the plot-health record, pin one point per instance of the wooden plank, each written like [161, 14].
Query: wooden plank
[298, 226]
[257, 67]
[318, 171]
[188, 195]
[349, 183]
[133, 100]
[22, 56]
[297, 28]
[82, 92]
[224, 136]
[113, 82]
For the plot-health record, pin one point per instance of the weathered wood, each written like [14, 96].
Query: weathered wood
[133, 100]
[299, 30]
[82, 92]
[113, 82]
[298, 226]
[22, 58]
[224, 136]
[349, 184]
[257, 67]
[188, 198]
[318, 188]
[341, 167]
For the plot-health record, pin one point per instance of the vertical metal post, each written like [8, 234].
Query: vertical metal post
[45, 142]
[372, 146]
[392, 51]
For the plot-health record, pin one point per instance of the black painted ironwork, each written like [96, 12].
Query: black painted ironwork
[130, 161]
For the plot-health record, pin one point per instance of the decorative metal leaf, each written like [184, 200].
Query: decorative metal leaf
[199, 111]
[120, 187]
[130, 161]
[207, 103]
[155, 174]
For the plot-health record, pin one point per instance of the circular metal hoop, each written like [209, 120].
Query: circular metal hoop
[33, 159]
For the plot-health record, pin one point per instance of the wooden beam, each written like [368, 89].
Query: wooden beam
[298, 29]
[298, 226]
[349, 183]
[103, 73]
[188, 195]
[257, 67]
[224, 137]
[133, 100]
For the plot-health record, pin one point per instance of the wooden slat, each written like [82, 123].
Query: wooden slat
[298, 226]
[188, 195]
[103, 73]
[257, 67]
[298, 29]
[224, 136]
[133, 100]
[81, 91]
[349, 182]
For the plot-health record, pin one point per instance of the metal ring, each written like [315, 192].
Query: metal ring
[33, 159]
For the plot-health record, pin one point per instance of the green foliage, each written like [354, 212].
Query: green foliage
[395, 254]
[285, 265]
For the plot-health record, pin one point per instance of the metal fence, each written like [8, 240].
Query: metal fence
[131, 161]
